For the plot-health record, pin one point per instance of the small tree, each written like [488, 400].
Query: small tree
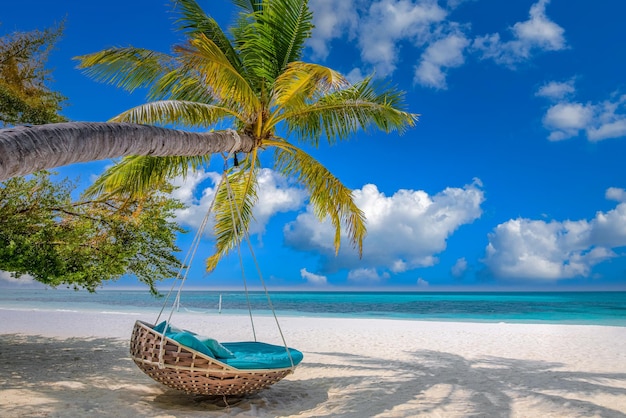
[43, 233]
[82, 244]
[24, 95]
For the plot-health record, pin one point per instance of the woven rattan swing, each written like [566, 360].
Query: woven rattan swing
[194, 370]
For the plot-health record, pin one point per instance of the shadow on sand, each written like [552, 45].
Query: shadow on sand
[95, 377]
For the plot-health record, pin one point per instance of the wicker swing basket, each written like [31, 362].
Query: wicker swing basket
[190, 371]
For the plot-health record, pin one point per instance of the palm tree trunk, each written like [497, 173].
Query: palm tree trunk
[26, 149]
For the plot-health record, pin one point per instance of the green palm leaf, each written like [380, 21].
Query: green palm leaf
[328, 196]
[138, 175]
[194, 20]
[248, 6]
[275, 37]
[185, 113]
[233, 212]
[215, 71]
[129, 68]
[340, 114]
[181, 84]
[301, 82]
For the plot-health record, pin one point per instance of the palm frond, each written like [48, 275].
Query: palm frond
[341, 113]
[249, 6]
[137, 176]
[185, 113]
[128, 68]
[215, 71]
[194, 20]
[301, 82]
[233, 212]
[328, 196]
[275, 37]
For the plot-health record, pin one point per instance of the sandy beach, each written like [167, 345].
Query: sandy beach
[76, 364]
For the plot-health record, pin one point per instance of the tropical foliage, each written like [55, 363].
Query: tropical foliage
[43, 232]
[252, 79]
[24, 95]
[83, 243]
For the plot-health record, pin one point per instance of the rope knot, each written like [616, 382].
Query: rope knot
[237, 139]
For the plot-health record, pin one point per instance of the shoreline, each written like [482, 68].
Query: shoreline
[152, 311]
[583, 308]
[76, 364]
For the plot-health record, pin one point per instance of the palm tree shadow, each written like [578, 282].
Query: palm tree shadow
[99, 374]
[96, 377]
[440, 383]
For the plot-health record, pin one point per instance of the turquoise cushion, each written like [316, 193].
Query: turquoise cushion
[255, 355]
[243, 355]
[160, 327]
[218, 349]
[189, 340]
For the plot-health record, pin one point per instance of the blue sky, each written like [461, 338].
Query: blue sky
[512, 179]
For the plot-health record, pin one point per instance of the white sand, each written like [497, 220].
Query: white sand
[69, 364]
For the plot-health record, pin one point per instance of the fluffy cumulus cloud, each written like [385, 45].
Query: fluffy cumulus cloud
[422, 283]
[441, 54]
[459, 268]
[388, 23]
[538, 33]
[312, 278]
[275, 195]
[556, 90]
[388, 31]
[405, 230]
[332, 19]
[567, 118]
[26, 281]
[536, 250]
[367, 276]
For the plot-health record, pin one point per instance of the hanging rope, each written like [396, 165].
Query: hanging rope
[183, 277]
[235, 216]
[196, 241]
[269, 301]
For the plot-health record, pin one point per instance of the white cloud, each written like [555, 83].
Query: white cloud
[388, 31]
[535, 250]
[617, 194]
[25, 281]
[443, 53]
[314, 279]
[568, 118]
[355, 75]
[387, 23]
[609, 121]
[538, 33]
[539, 30]
[405, 231]
[422, 283]
[459, 268]
[275, 195]
[331, 19]
[197, 205]
[614, 129]
[565, 120]
[555, 90]
[366, 276]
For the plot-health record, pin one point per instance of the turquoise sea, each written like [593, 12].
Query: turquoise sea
[599, 308]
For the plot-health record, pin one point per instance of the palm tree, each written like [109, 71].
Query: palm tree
[251, 79]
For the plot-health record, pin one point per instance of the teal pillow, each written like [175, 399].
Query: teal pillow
[189, 340]
[218, 349]
[171, 329]
[160, 327]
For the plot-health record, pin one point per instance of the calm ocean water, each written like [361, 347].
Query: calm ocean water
[600, 308]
